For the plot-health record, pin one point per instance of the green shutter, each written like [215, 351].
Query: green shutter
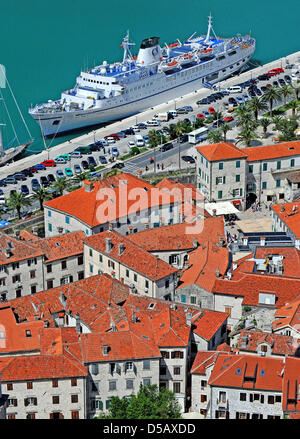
[224, 179]
[241, 192]
[100, 405]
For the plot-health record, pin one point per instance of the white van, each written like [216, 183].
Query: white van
[139, 141]
[152, 123]
[173, 113]
[2, 199]
[234, 89]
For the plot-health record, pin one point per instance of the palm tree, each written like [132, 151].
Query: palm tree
[60, 185]
[276, 121]
[272, 95]
[224, 128]
[296, 89]
[244, 116]
[153, 138]
[265, 122]
[16, 201]
[41, 194]
[215, 136]
[294, 106]
[286, 91]
[247, 135]
[256, 105]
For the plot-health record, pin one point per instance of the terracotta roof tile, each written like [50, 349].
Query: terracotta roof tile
[283, 149]
[19, 250]
[290, 216]
[61, 246]
[221, 151]
[280, 344]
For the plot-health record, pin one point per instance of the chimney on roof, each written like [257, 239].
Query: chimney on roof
[133, 317]
[46, 324]
[195, 243]
[7, 253]
[262, 241]
[88, 186]
[108, 245]
[282, 208]
[105, 350]
[217, 272]
[214, 211]
[189, 318]
[121, 248]
[113, 325]
[146, 225]
[110, 227]
[17, 234]
[77, 322]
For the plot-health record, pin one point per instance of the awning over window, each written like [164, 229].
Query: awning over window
[237, 202]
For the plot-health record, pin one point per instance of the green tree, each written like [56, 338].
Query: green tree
[224, 128]
[272, 95]
[79, 178]
[264, 123]
[286, 91]
[287, 128]
[42, 194]
[173, 132]
[198, 123]
[276, 119]
[246, 135]
[256, 105]
[244, 117]
[16, 201]
[60, 185]
[296, 89]
[134, 151]
[153, 138]
[149, 403]
[215, 136]
[294, 106]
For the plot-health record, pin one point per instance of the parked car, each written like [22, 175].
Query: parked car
[77, 169]
[239, 100]
[10, 180]
[142, 126]
[48, 163]
[129, 131]
[211, 110]
[39, 167]
[103, 160]
[83, 149]
[115, 151]
[27, 173]
[19, 176]
[44, 181]
[3, 182]
[188, 108]
[24, 189]
[94, 147]
[183, 138]
[35, 184]
[228, 118]
[84, 164]
[33, 169]
[69, 172]
[75, 154]
[60, 173]
[200, 116]
[131, 144]
[188, 158]
[121, 134]
[91, 161]
[60, 160]
[51, 178]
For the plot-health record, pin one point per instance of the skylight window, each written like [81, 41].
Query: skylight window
[152, 305]
[262, 373]
[57, 244]
[238, 371]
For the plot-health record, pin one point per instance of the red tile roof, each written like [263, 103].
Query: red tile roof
[203, 360]
[288, 315]
[290, 216]
[133, 255]
[61, 246]
[291, 379]
[109, 200]
[291, 258]
[203, 265]
[280, 150]
[231, 370]
[19, 250]
[280, 344]
[177, 236]
[221, 151]
[250, 285]
[38, 367]
[208, 323]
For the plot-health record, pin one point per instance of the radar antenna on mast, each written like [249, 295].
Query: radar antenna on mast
[210, 28]
[126, 46]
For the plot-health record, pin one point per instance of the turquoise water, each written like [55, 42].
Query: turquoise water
[45, 44]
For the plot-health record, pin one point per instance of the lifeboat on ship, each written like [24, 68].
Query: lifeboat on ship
[169, 66]
[187, 58]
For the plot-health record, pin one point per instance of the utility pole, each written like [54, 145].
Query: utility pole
[179, 162]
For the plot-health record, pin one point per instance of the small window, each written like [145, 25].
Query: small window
[146, 365]
[129, 384]
[74, 398]
[74, 382]
[243, 396]
[238, 164]
[54, 383]
[55, 399]
[29, 385]
[112, 385]
[28, 333]
[221, 165]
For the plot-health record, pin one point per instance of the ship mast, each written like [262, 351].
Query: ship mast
[1, 142]
[210, 28]
[126, 46]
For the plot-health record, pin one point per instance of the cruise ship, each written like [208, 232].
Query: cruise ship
[156, 75]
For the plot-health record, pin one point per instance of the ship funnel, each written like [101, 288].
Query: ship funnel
[150, 51]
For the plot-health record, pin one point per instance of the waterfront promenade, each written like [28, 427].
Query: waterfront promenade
[189, 99]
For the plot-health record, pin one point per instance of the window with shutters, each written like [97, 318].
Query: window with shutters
[112, 385]
[29, 385]
[75, 414]
[54, 383]
[271, 399]
[55, 399]
[165, 354]
[11, 416]
[176, 370]
[243, 396]
[203, 398]
[129, 366]
[9, 386]
[30, 401]
[12, 402]
[74, 382]
[30, 416]
[176, 387]
[74, 398]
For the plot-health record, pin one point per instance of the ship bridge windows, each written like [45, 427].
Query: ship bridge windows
[233, 52]
[220, 58]
[56, 122]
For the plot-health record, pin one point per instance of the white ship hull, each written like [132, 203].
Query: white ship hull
[73, 120]
[111, 92]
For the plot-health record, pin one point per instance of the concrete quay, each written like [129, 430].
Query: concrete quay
[189, 99]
